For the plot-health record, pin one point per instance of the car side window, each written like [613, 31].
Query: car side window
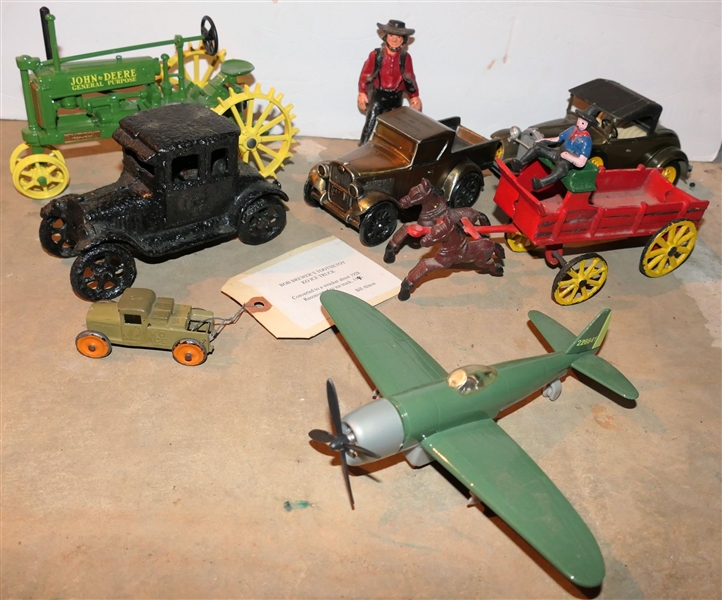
[132, 319]
[430, 151]
[185, 168]
[219, 162]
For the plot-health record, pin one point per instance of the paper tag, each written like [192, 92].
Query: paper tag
[283, 294]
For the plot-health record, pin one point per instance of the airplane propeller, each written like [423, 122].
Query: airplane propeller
[339, 442]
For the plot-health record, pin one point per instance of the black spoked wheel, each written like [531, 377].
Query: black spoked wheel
[103, 272]
[378, 224]
[466, 191]
[54, 237]
[262, 221]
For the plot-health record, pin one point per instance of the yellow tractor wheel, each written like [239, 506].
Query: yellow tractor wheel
[597, 161]
[668, 249]
[266, 127]
[41, 176]
[198, 65]
[23, 150]
[579, 279]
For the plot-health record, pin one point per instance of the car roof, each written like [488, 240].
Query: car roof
[171, 127]
[414, 124]
[616, 100]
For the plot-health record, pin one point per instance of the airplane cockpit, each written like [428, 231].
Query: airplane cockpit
[473, 378]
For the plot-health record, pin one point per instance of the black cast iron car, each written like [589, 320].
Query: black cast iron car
[627, 132]
[182, 186]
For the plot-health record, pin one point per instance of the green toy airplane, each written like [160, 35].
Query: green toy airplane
[429, 414]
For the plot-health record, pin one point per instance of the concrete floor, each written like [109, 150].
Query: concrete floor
[135, 477]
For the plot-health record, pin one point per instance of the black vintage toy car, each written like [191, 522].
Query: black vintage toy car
[182, 185]
[627, 133]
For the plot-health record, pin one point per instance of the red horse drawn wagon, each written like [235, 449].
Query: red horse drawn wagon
[593, 205]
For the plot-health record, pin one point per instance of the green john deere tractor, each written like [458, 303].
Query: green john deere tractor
[72, 99]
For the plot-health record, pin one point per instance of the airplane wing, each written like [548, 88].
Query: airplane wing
[391, 358]
[506, 479]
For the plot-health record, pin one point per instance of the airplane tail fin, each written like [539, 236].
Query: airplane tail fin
[592, 337]
[598, 369]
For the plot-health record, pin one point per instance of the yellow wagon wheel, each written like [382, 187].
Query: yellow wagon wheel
[266, 127]
[40, 176]
[518, 242]
[597, 161]
[198, 66]
[579, 279]
[93, 344]
[668, 249]
[23, 150]
[189, 352]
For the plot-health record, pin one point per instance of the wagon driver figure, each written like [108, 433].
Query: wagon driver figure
[387, 74]
[575, 150]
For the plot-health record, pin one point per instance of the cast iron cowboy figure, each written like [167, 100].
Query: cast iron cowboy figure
[387, 74]
[574, 151]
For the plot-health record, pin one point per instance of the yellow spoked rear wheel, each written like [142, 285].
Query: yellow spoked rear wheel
[198, 65]
[23, 150]
[41, 176]
[266, 127]
[580, 279]
[668, 249]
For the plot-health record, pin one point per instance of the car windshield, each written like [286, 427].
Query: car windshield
[473, 378]
[609, 125]
[397, 140]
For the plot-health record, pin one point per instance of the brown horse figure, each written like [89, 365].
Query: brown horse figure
[455, 246]
[433, 207]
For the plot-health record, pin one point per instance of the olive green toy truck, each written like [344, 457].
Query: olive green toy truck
[142, 320]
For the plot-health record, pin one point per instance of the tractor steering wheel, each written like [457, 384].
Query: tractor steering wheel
[210, 36]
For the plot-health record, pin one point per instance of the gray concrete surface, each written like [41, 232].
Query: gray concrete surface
[135, 477]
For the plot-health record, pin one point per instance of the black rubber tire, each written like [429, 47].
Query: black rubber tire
[378, 224]
[466, 191]
[262, 220]
[54, 237]
[103, 272]
[307, 195]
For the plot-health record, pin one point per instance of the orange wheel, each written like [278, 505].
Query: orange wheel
[93, 344]
[189, 352]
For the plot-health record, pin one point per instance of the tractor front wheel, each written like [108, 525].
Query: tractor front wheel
[39, 176]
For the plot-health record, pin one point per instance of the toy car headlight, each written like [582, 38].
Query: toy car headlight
[514, 133]
[355, 190]
[323, 170]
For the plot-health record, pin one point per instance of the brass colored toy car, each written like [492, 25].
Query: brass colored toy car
[142, 320]
[626, 134]
[363, 187]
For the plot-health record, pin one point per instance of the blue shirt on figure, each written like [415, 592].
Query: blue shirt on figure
[576, 141]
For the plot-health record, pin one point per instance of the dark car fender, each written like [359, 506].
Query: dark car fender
[665, 155]
[249, 192]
